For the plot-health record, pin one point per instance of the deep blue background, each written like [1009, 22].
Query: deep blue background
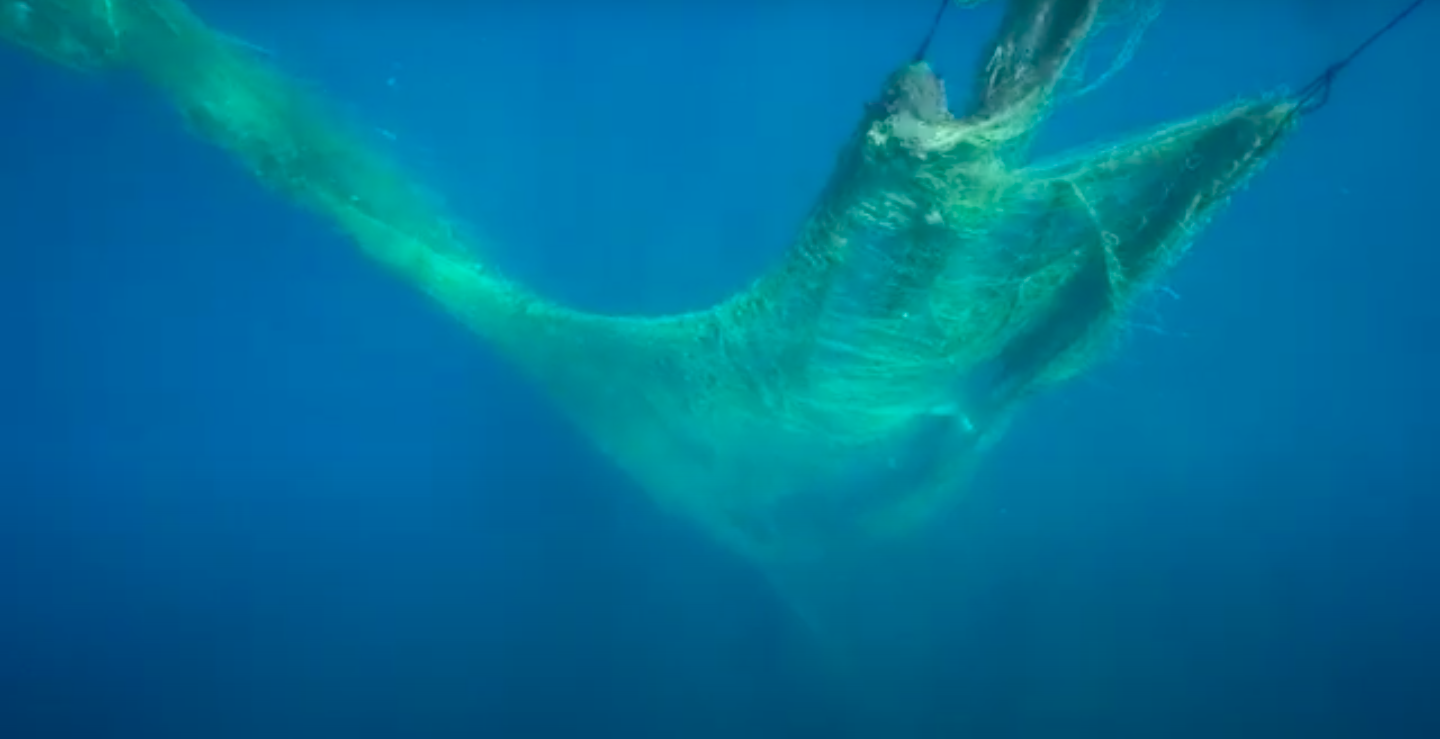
[252, 486]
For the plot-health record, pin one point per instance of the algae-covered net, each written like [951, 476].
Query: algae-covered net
[940, 279]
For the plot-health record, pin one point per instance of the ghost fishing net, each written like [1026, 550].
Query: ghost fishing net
[940, 278]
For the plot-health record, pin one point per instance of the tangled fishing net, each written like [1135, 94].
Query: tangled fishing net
[941, 278]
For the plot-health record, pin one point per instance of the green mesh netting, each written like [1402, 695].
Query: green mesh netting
[941, 278]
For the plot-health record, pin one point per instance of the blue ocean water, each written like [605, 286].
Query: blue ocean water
[252, 486]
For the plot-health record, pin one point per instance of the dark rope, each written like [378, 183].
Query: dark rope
[1315, 95]
[934, 26]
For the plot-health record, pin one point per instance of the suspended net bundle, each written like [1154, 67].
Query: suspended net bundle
[943, 277]
[940, 279]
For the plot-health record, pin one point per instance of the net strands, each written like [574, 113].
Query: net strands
[940, 279]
